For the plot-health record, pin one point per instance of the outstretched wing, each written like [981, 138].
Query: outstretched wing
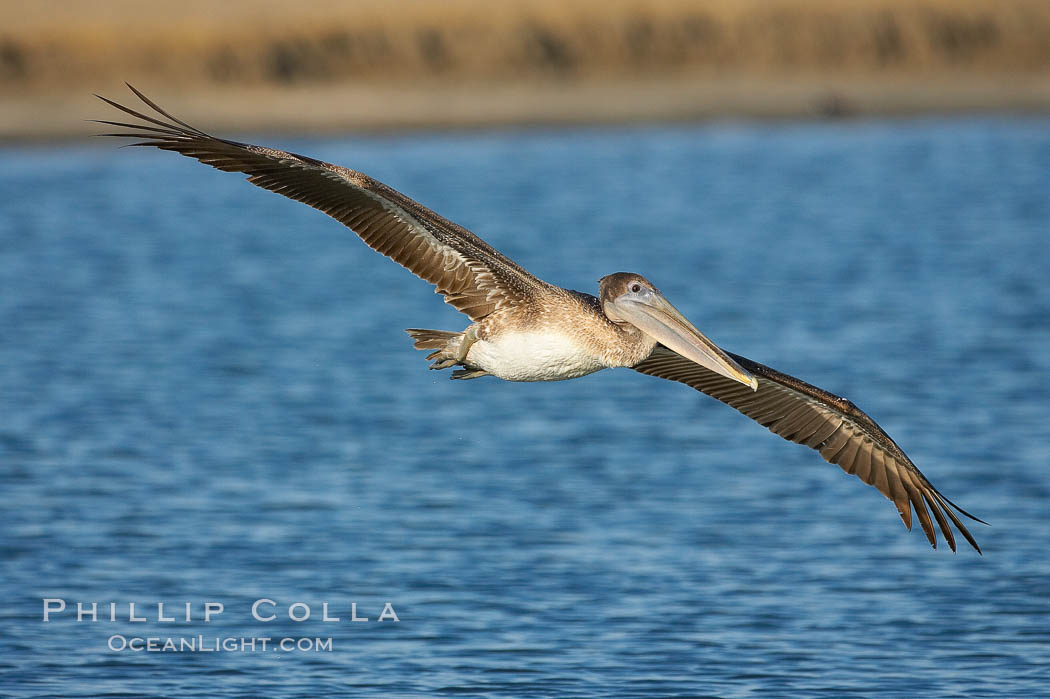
[832, 425]
[473, 276]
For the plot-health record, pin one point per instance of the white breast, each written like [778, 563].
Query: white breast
[525, 356]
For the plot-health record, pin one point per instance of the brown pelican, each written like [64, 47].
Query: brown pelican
[524, 329]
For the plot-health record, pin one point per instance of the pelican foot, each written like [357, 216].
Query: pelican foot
[469, 337]
[464, 374]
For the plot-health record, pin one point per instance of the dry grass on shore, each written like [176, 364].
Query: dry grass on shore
[257, 42]
[1000, 48]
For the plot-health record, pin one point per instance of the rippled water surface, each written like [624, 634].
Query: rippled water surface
[206, 396]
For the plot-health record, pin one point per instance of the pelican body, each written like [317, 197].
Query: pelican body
[561, 334]
[524, 329]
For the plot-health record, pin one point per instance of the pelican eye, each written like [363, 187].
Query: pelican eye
[635, 288]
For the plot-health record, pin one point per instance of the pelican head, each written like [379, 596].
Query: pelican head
[631, 298]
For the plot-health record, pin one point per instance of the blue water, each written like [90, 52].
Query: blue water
[206, 396]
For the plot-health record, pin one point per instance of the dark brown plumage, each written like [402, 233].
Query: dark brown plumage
[583, 333]
[839, 430]
[474, 278]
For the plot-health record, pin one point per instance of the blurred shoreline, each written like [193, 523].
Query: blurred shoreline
[333, 66]
[332, 109]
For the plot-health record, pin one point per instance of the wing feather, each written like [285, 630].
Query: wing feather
[834, 426]
[474, 277]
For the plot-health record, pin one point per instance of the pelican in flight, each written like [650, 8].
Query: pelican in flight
[524, 329]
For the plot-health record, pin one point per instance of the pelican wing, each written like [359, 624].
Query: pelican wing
[473, 276]
[834, 426]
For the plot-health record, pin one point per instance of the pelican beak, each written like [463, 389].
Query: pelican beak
[657, 318]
